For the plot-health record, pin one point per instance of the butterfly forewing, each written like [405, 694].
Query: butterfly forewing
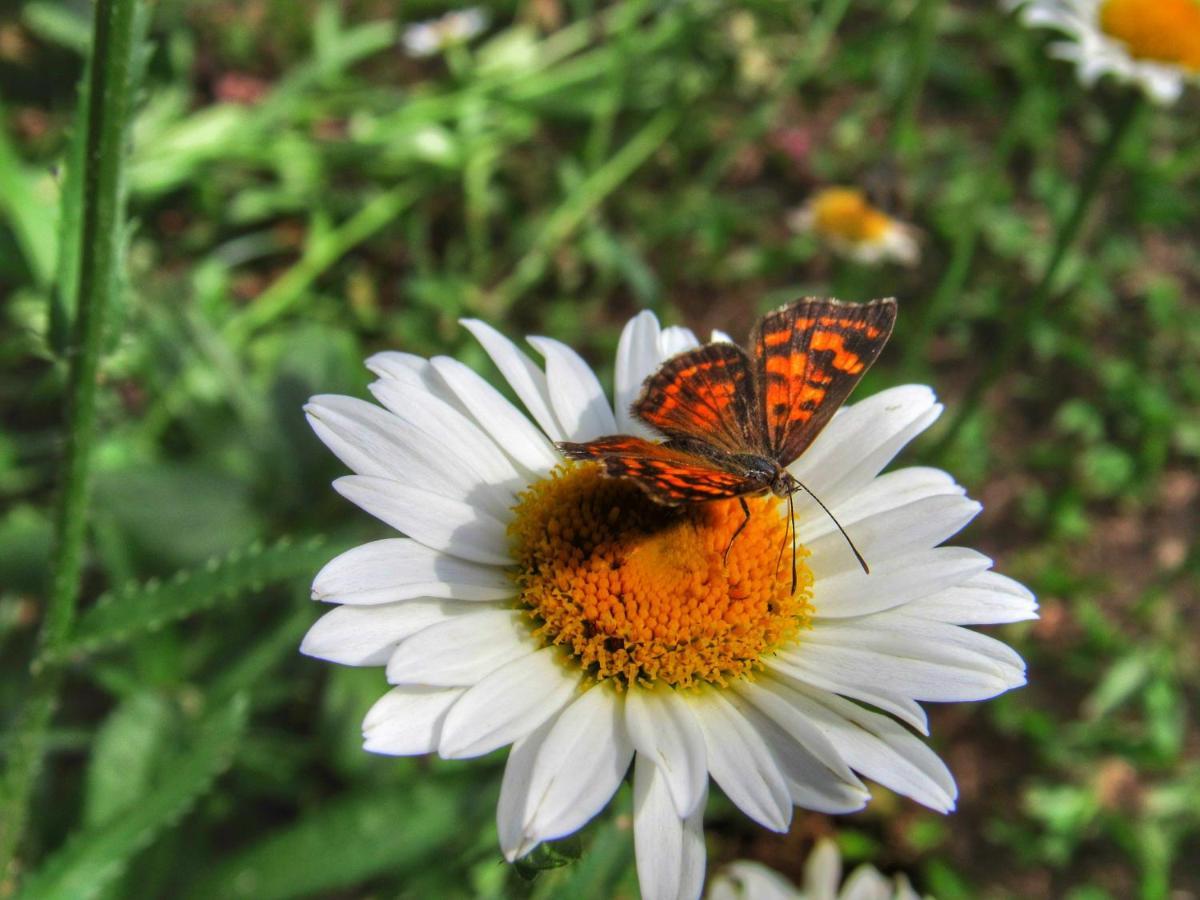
[808, 358]
[706, 394]
[669, 475]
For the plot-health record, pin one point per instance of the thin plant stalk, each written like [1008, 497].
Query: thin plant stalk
[1033, 309]
[904, 134]
[111, 91]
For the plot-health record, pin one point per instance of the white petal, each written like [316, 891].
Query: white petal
[579, 767]
[664, 729]
[507, 426]
[514, 793]
[401, 569]
[366, 635]
[670, 852]
[823, 871]
[896, 581]
[579, 402]
[637, 359]
[863, 438]
[407, 721]
[507, 705]
[911, 528]
[407, 368]
[675, 340]
[456, 440]
[527, 380]
[373, 442]
[810, 783]
[916, 678]
[461, 651]
[741, 763]
[876, 746]
[441, 523]
[745, 880]
[775, 703]
[719, 336]
[987, 599]
[795, 672]
[866, 883]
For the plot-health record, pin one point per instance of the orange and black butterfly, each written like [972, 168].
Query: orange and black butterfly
[735, 420]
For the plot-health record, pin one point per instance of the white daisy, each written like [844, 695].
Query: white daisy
[1152, 43]
[432, 37]
[538, 604]
[744, 880]
[844, 219]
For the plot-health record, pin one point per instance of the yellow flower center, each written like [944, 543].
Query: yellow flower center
[845, 213]
[1166, 31]
[639, 592]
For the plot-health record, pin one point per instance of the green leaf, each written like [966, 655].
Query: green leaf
[135, 609]
[123, 756]
[92, 858]
[343, 843]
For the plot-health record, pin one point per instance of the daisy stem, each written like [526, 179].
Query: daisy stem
[103, 235]
[1028, 313]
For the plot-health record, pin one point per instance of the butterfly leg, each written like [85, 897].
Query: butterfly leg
[740, 528]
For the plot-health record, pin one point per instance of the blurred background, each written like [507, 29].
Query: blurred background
[308, 185]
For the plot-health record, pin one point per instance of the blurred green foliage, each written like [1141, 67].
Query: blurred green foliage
[302, 194]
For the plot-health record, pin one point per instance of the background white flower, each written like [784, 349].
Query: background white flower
[843, 218]
[745, 880]
[464, 474]
[1154, 44]
[435, 35]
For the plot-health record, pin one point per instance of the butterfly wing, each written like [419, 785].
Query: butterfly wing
[705, 394]
[669, 475]
[809, 355]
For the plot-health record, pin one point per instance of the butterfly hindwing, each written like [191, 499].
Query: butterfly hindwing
[669, 475]
[809, 355]
[705, 394]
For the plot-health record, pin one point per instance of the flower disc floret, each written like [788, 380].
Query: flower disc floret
[638, 592]
[1166, 31]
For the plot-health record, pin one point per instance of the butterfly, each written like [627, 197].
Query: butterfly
[734, 419]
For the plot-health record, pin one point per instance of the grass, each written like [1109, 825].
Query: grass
[300, 194]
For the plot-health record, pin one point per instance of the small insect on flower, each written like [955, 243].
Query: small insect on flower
[735, 421]
[844, 219]
[746, 880]
[1154, 44]
[432, 37]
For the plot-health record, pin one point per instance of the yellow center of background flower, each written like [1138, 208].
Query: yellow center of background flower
[640, 592]
[845, 213]
[1165, 31]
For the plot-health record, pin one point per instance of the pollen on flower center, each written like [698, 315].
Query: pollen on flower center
[845, 213]
[639, 592]
[1165, 31]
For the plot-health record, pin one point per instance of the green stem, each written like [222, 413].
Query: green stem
[905, 135]
[111, 89]
[1033, 309]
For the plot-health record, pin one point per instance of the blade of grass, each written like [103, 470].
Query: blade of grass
[114, 43]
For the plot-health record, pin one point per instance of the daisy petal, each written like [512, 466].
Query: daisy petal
[801, 676]
[670, 852]
[507, 426]
[675, 340]
[526, 379]
[664, 729]
[407, 368]
[506, 705]
[895, 582]
[451, 526]
[406, 721]
[987, 599]
[579, 766]
[863, 438]
[400, 569]
[514, 793]
[579, 402]
[776, 706]
[461, 651]
[637, 359]
[742, 764]
[876, 746]
[367, 635]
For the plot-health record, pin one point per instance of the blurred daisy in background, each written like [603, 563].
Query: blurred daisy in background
[435, 35]
[1154, 44]
[538, 604]
[745, 880]
[844, 219]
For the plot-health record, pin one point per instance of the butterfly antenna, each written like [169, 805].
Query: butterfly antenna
[792, 525]
[862, 562]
